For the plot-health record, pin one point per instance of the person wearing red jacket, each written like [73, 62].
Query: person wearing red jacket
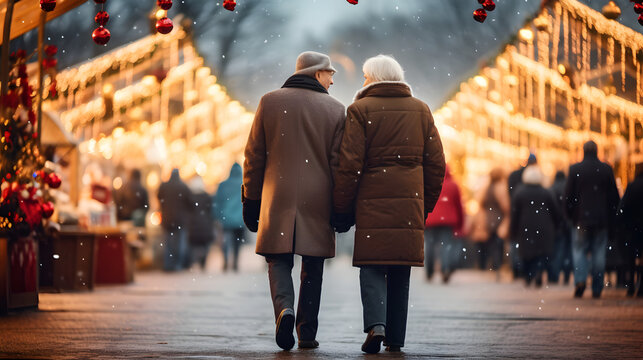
[441, 225]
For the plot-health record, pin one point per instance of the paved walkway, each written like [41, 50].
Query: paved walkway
[219, 316]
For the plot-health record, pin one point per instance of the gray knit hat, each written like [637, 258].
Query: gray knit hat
[309, 62]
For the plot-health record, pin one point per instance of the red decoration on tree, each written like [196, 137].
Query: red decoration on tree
[53, 180]
[164, 25]
[641, 19]
[47, 5]
[638, 8]
[353, 2]
[51, 50]
[101, 35]
[164, 4]
[49, 63]
[489, 5]
[229, 4]
[47, 209]
[102, 18]
[480, 15]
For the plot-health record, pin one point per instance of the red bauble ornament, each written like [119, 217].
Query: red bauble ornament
[489, 5]
[638, 8]
[47, 209]
[164, 25]
[47, 5]
[51, 50]
[229, 4]
[480, 15]
[101, 35]
[164, 4]
[353, 2]
[49, 63]
[102, 17]
[53, 181]
[641, 19]
[52, 91]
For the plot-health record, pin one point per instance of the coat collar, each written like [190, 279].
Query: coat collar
[385, 89]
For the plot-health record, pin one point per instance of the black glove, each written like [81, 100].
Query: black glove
[342, 222]
[251, 209]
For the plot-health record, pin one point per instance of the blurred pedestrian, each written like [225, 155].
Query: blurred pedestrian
[591, 200]
[631, 217]
[441, 225]
[513, 183]
[561, 259]
[534, 219]
[132, 200]
[228, 211]
[390, 177]
[176, 205]
[201, 225]
[491, 224]
[287, 188]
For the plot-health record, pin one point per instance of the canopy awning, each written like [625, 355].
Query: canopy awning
[26, 14]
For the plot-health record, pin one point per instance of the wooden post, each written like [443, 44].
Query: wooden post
[4, 60]
[41, 38]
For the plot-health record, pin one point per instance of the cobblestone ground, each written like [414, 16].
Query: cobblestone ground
[216, 315]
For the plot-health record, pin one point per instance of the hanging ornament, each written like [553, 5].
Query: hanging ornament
[229, 4]
[164, 4]
[101, 35]
[47, 5]
[638, 8]
[51, 50]
[47, 209]
[480, 15]
[53, 180]
[488, 5]
[611, 11]
[352, 2]
[164, 25]
[102, 18]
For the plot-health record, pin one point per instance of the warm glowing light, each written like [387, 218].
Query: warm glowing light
[561, 69]
[153, 180]
[155, 218]
[117, 183]
[118, 132]
[201, 168]
[481, 81]
[149, 80]
[526, 35]
[160, 14]
[108, 90]
[614, 127]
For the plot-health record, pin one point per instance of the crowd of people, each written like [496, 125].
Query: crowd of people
[191, 218]
[579, 225]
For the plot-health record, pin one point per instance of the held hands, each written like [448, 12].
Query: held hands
[342, 222]
[251, 209]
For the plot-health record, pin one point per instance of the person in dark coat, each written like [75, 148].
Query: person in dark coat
[591, 200]
[291, 153]
[534, 219]
[201, 225]
[229, 212]
[562, 255]
[132, 200]
[513, 183]
[446, 219]
[631, 218]
[391, 169]
[176, 203]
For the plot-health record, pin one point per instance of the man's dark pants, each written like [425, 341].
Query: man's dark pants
[283, 294]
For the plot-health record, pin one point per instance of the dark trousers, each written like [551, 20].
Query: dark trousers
[232, 240]
[385, 299]
[534, 268]
[283, 293]
[491, 249]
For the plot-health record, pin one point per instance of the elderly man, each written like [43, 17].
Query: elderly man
[287, 190]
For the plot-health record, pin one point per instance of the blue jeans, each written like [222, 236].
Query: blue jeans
[440, 237]
[175, 249]
[592, 242]
[561, 259]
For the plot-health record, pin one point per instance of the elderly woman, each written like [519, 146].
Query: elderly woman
[391, 167]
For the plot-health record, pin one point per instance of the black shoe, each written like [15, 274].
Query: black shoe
[580, 289]
[285, 326]
[308, 344]
[393, 348]
[596, 295]
[374, 340]
[446, 276]
[539, 282]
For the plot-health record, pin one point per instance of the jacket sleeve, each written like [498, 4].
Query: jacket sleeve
[434, 167]
[515, 217]
[613, 198]
[337, 142]
[352, 152]
[255, 163]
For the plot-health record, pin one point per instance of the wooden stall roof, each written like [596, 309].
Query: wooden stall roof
[26, 14]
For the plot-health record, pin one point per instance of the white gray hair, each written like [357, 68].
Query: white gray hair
[383, 68]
